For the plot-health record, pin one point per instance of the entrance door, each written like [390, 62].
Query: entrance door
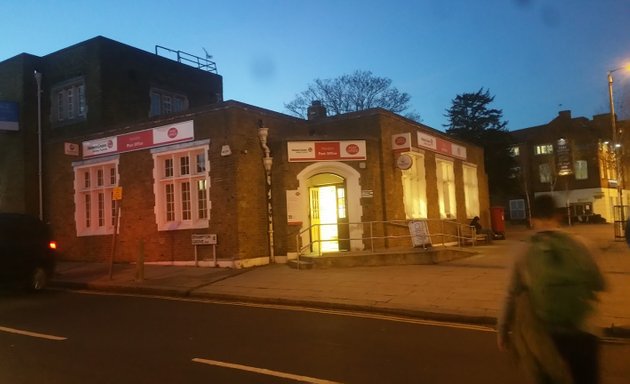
[329, 218]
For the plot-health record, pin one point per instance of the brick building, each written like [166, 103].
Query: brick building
[571, 158]
[208, 178]
[200, 170]
[94, 85]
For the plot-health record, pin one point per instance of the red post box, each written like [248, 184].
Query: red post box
[497, 220]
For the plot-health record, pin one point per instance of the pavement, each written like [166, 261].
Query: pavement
[468, 290]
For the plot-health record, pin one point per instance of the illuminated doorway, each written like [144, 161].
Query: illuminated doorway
[328, 213]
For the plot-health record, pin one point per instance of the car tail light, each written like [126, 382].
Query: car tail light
[52, 245]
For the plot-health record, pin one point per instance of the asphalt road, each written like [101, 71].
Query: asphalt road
[68, 337]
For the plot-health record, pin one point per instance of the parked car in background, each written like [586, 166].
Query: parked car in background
[27, 251]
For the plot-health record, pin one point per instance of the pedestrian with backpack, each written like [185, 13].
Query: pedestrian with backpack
[550, 296]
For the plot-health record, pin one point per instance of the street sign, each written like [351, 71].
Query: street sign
[117, 193]
[419, 232]
[204, 239]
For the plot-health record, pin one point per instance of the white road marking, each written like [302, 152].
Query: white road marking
[263, 371]
[32, 334]
[297, 308]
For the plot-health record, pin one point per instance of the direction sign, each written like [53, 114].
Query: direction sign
[204, 239]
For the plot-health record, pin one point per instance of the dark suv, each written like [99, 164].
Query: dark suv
[27, 251]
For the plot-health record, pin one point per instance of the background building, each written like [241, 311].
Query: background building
[571, 158]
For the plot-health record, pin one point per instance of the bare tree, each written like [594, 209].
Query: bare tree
[354, 92]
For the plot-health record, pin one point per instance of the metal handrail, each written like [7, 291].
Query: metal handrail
[463, 234]
[202, 63]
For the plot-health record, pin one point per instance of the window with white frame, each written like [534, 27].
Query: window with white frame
[515, 151]
[607, 168]
[471, 190]
[94, 183]
[543, 149]
[69, 101]
[581, 170]
[446, 188]
[544, 171]
[165, 102]
[181, 188]
[517, 209]
[415, 188]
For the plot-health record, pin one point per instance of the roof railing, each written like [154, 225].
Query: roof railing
[202, 63]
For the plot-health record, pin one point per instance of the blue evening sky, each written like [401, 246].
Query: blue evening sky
[536, 56]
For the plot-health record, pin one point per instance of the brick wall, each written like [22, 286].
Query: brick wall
[238, 185]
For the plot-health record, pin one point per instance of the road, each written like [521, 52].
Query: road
[70, 337]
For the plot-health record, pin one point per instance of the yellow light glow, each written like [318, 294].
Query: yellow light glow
[328, 219]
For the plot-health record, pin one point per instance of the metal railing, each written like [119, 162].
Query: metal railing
[380, 235]
[182, 57]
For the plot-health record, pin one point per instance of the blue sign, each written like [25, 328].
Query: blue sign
[9, 116]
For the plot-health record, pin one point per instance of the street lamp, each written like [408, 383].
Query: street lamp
[616, 147]
[263, 134]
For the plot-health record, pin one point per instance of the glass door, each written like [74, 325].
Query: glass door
[329, 219]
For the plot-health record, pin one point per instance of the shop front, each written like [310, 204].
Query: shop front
[202, 174]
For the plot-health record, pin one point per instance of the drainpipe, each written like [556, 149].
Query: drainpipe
[38, 79]
[267, 160]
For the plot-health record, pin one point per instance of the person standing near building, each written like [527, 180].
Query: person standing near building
[549, 299]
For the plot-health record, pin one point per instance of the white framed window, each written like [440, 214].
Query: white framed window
[471, 190]
[517, 209]
[607, 168]
[515, 151]
[181, 187]
[544, 171]
[94, 182]
[543, 149]
[165, 102]
[69, 102]
[581, 170]
[415, 188]
[446, 188]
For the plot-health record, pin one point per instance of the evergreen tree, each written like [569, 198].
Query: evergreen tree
[470, 118]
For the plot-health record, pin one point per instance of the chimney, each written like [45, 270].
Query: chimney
[316, 110]
[565, 114]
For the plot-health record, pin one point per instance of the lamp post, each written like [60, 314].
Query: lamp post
[616, 147]
[38, 79]
[267, 160]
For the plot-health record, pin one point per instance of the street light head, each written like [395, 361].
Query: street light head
[38, 77]
[625, 67]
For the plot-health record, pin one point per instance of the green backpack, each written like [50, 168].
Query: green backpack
[562, 279]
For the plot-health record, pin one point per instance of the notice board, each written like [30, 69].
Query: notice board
[419, 231]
